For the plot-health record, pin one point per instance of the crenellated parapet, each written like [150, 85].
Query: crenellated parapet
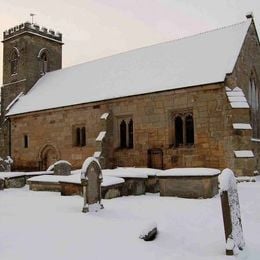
[33, 28]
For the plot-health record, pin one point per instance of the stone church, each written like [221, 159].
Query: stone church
[191, 102]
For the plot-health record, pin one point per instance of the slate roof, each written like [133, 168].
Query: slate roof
[196, 60]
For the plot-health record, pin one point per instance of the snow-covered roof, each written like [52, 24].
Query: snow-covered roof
[196, 60]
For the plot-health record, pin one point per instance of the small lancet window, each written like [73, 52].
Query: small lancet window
[254, 100]
[80, 136]
[44, 63]
[25, 141]
[83, 136]
[130, 134]
[14, 62]
[123, 134]
[189, 130]
[183, 129]
[178, 131]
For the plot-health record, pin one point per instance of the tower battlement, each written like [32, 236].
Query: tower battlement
[32, 28]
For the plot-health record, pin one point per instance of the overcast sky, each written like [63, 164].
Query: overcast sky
[97, 28]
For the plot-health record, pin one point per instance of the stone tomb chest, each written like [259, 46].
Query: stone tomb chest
[189, 182]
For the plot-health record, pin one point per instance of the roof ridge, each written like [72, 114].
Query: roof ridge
[156, 44]
[209, 31]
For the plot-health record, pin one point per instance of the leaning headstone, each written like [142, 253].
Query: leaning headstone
[2, 184]
[5, 164]
[2, 166]
[62, 168]
[149, 232]
[91, 178]
[231, 212]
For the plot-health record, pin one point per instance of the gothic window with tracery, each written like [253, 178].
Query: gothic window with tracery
[253, 100]
[14, 61]
[183, 129]
[126, 133]
[44, 63]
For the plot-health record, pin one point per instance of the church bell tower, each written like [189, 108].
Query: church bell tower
[29, 52]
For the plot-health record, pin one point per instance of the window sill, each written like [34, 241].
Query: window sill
[124, 148]
[191, 146]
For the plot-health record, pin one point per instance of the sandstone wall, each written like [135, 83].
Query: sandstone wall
[153, 128]
[247, 66]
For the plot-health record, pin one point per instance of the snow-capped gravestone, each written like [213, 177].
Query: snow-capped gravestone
[231, 212]
[62, 168]
[149, 232]
[2, 183]
[5, 164]
[91, 178]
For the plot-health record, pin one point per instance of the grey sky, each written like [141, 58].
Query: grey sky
[93, 29]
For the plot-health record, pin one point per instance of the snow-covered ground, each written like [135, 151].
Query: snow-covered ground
[45, 225]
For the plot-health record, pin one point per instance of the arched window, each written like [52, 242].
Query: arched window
[183, 129]
[130, 134]
[14, 61]
[253, 100]
[123, 134]
[44, 63]
[189, 130]
[178, 123]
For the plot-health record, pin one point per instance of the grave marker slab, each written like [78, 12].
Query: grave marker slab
[62, 168]
[91, 179]
[231, 212]
[5, 164]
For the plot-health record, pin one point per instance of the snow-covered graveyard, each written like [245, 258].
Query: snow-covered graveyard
[45, 225]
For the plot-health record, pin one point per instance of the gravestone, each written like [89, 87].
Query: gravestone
[2, 184]
[231, 212]
[91, 178]
[149, 232]
[62, 168]
[5, 164]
